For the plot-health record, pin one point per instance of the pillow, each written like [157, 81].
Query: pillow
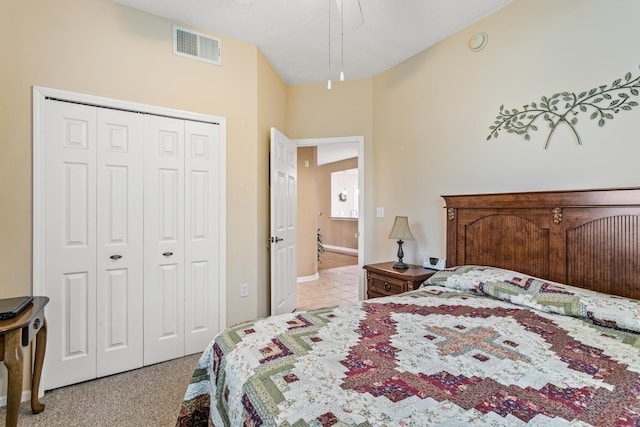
[521, 289]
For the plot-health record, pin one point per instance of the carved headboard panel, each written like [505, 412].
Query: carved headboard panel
[587, 238]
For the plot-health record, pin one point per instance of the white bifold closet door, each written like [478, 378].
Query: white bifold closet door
[181, 243]
[202, 238]
[164, 238]
[94, 242]
[131, 240]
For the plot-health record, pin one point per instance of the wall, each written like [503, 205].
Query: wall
[346, 110]
[307, 212]
[339, 233]
[101, 48]
[432, 115]
[271, 113]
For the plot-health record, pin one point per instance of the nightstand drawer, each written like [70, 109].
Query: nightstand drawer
[386, 285]
[384, 280]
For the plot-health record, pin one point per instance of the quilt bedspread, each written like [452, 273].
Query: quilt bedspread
[435, 356]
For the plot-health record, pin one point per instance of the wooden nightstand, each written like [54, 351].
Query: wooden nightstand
[383, 279]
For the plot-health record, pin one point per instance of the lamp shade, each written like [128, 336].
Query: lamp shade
[400, 230]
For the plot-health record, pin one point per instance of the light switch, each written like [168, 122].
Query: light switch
[380, 212]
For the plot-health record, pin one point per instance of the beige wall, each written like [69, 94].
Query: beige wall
[432, 115]
[341, 233]
[271, 113]
[307, 212]
[315, 112]
[101, 48]
[346, 110]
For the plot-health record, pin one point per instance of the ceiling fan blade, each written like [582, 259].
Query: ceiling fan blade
[353, 17]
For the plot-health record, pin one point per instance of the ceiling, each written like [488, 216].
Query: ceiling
[294, 34]
[329, 153]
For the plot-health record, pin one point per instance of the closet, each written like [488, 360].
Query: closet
[131, 239]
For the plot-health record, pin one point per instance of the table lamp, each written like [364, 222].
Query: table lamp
[401, 232]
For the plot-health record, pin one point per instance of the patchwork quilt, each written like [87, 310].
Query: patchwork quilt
[474, 346]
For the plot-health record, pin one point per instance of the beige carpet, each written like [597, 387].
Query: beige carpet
[148, 396]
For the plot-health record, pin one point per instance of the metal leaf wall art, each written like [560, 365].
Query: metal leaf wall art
[601, 102]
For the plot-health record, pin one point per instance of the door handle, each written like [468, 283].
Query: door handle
[167, 254]
[115, 257]
[276, 239]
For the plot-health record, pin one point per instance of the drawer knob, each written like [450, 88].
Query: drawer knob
[36, 324]
[115, 257]
[387, 286]
[167, 254]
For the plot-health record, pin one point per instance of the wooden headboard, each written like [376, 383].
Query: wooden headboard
[587, 238]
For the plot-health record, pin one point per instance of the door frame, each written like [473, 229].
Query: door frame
[313, 142]
[40, 95]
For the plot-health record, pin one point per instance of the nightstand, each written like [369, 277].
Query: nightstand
[383, 279]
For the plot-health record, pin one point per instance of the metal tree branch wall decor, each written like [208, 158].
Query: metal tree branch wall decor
[603, 102]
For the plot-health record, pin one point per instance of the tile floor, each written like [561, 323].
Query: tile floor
[335, 286]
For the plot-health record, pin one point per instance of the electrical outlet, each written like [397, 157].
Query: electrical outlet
[244, 290]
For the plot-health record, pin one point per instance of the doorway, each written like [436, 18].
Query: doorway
[358, 218]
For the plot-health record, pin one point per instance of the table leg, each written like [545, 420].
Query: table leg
[13, 360]
[41, 346]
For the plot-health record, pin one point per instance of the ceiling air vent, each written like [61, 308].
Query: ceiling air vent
[196, 45]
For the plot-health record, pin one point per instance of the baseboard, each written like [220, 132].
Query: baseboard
[26, 396]
[340, 249]
[308, 278]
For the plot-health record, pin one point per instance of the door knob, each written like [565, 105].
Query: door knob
[276, 239]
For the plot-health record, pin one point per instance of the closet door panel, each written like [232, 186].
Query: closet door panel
[170, 289]
[164, 239]
[120, 241]
[202, 235]
[70, 243]
[74, 294]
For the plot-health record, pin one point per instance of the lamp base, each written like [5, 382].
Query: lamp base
[400, 265]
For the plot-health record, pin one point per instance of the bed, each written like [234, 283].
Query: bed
[535, 322]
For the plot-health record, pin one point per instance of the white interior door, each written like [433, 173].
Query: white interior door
[202, 237]
[283, 223]
[164, 239]
[120, 241]
[70, 243]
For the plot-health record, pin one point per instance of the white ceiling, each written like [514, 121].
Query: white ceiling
[294, 34]
[329, 153]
